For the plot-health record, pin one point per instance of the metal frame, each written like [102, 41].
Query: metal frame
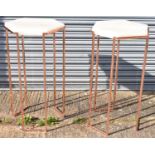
[9, 72]
[23, 98]
[113, 78]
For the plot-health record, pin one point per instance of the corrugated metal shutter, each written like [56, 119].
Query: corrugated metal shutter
[78, 53]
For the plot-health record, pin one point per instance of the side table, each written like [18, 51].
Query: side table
[34, 27]
[117, 30]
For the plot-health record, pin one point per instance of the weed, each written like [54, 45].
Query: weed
[41, 122]
[80, 121]
[52, 121]
[27, 120]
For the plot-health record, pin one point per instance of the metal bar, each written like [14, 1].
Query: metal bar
[110, 87]
[9, 72]
[20, 80]
[139, 105]
[91, 78]
[45, 91]
[96, 80]
[57, 110]
[24, 67]
[116, 71]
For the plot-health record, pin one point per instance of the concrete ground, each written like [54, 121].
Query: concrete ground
[122, 123]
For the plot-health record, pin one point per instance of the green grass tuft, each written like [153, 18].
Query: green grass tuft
[52, 120]
[28, 120]
[80, 121]
[41, 122]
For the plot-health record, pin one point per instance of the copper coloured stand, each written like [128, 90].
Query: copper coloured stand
[23, 96]
[113, 79]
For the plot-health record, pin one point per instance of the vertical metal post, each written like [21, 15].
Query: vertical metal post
[110, 87]
[116, 70]
[96, 80]
[139, 105]
[20, 80]
[44, 69]
[91, 77]
[9, 72]
[24, 68]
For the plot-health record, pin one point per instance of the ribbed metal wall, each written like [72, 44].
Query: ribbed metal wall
[78, 53]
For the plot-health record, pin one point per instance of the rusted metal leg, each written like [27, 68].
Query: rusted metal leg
[96, 80]
[139, 105]
[91, 78]
[24, 68]
[20, 80]
[110, 88]
[91, 84]
[63, 95]
[116, 71]
[57, 110]
[45, 91]
[9, 72]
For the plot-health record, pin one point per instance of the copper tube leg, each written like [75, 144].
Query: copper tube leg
[9, 72]
[63, 95]
[116, 71]
[45, 91]
[91, 78]
[54, 70]
[24, 68]
[96, 80]
[110, 88]
[139, 105]
[20, 80]
[59, 112]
